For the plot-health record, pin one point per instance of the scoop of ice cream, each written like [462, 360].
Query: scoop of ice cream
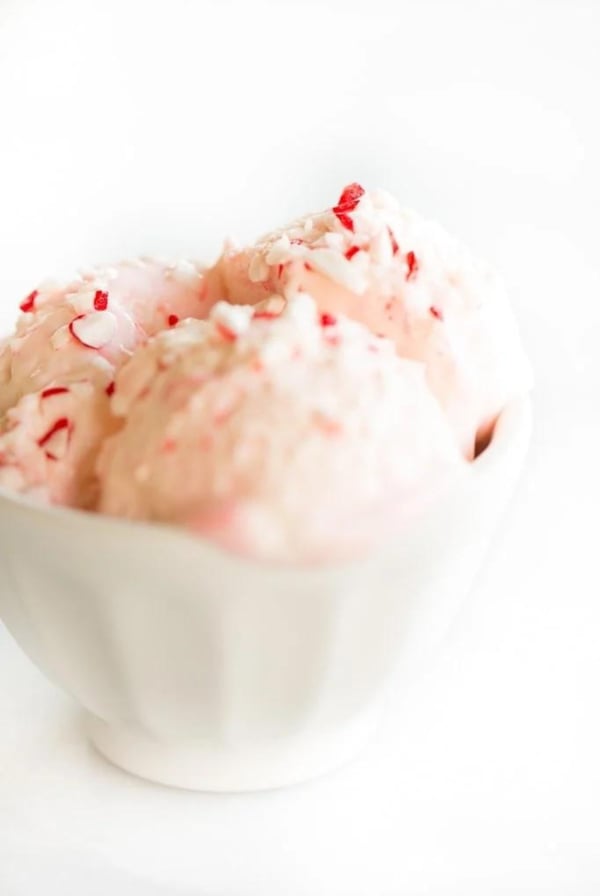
[49, 443]
[403, 277]
[87, 328]
[292, 436]
[58, 369]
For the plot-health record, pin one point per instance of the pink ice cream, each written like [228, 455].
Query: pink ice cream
[50, 441]
[300, 400]
[296, 437]
[57, 371]
[406, 278]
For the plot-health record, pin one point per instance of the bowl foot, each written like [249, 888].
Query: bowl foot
[206, 765]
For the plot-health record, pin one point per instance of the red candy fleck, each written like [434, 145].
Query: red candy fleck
[350, 197]
[344, 219]
[75, 331]
[264, 315]
[28, 304]
[347, 203]
[225, 333]
[279, 271]
[307, 266]
[62, 423]
[100, 300]
[328, 320]
[436, 312]
[394, 242]
[172, 320]
[110, 389]
[53, 390]
[351, 252]
[413, 265]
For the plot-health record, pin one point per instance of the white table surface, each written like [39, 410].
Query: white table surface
[161, 126]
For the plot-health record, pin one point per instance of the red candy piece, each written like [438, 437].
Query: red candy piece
[54, 390]
[110, 389]
[394, 242]
[347, 202]
[351, 252]
[50, 440]
[91, 330]
[328, 320]
[413, 265]
[100, 300]
[173, 320]
[435, 312]
[350, 197]
[28, 304]
[344, 219]
[225, 333]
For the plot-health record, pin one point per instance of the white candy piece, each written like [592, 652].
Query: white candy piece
[94, 330]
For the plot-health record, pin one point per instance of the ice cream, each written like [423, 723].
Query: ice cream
[299, 400]
[50, 440]
[406, 278]
[86, 328]
[57, 371]
[295, 436]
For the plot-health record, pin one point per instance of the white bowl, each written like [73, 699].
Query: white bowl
[204, 670]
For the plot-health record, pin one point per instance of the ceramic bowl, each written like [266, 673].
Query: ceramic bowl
[204, 670]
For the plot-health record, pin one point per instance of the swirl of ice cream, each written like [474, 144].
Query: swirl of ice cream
[403, 277]
[295, 436]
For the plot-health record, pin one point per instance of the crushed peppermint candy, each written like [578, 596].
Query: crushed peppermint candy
[347, 202]
[27, 306]
[54, 390]
[100, 300]
[56, 440]
[412, 265]
[393, 241]
[225, 333]
[94, 330]
[350, 197]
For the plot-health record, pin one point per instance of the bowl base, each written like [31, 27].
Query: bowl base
[207, 766]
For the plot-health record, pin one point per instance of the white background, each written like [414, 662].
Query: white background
[159, 127]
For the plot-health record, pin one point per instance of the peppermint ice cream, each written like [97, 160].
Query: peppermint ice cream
[406, 278]
[57, 371]
[299, 436]
[300, 399]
